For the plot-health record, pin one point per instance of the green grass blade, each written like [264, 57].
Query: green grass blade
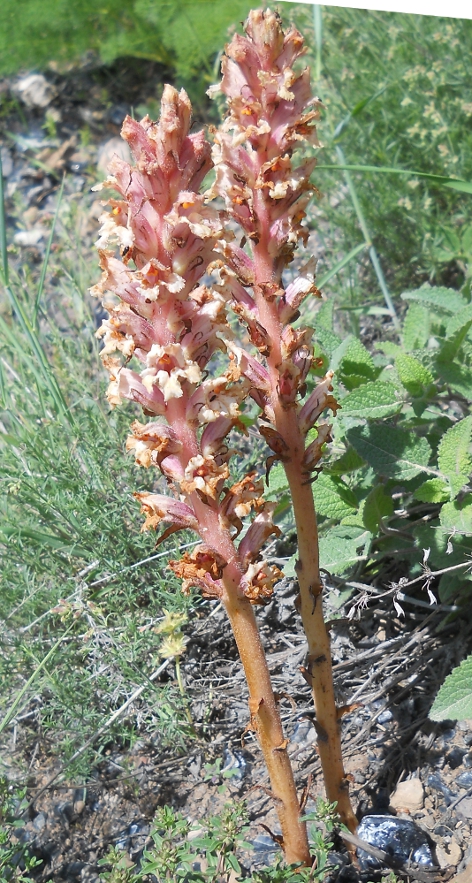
[36, 348]
[318, 26]
[368, 240]
[339, 266]
[440, 180]
[3, 387]
[39, 293]
[3, 227]
[12, 710]
[357, 109]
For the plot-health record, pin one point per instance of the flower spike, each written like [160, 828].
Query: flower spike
[164, 329]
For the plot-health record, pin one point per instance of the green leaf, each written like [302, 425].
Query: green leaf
[348, 462]
[333, 498]
[412, 374]
[278, 484]
[451, 585]
[466, 241]
[390, 451]
[372, 400]
[457, 516]
[327, 340]
[356, 366]
[435, 490]
[446, 299]
[324, 316]
[457, 376]
[454, 458]
[456, 332]
[416, 327]
[377, 505]
[440, 180]
[459, 320]
[454, 700]
[341, 548]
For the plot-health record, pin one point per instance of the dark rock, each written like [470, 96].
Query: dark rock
[464, 809]
[434, 781]
[455, 757]
[464, 780]
[234, 762]
[401, 839]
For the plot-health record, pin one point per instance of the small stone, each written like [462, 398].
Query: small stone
[28, 238]
[449, 854]
[464, 809]
[35, 91]
[464, 780]
[408, 795]
[40, 821]
[7, 162]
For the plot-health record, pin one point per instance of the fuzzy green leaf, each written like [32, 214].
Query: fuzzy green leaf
[452, 584]
[446, 299]
[457, 516]
[333, 498]
[454, 700]
[324, 316]
[327, 340]
[348, 462]
[459, 320]
[356, 366]
[378, 505]
[416, 327]
[435, 490]
[451, 347]
[412, 374]
[372, 400]
[342, 547]
[278, 484]
[392, 452]
[454, 458]
[457, 376]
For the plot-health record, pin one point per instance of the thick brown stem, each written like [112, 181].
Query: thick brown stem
[265, 720]
[319, 669]
[319, 665]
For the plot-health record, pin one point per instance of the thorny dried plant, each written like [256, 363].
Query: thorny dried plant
[166, 316]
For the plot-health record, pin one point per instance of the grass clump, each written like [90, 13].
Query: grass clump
[401, 101]
[74, 588]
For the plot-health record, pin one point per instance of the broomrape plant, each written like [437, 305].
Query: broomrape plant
[166, 315]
